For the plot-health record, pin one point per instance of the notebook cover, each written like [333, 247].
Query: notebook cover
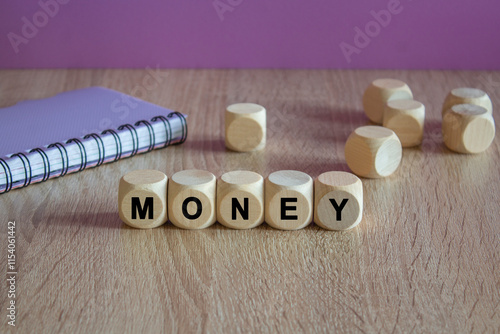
[73, 114]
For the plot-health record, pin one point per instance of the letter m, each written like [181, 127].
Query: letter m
[142, 210]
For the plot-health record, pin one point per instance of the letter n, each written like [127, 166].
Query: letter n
[235, 205]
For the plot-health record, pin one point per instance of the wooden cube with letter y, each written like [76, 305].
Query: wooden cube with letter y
[338, 200]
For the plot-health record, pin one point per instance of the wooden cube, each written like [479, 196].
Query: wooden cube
[467, 95]
[406, 118]
[142, 198]
[191, 199]
[240, 199]
[245, 128]
[373, 151]
[379, 93]
[468, 128]
[338, 200]
[288, 200]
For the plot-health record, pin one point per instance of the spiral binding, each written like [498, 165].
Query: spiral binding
[46, 163]
[100, 145]
[168, 129]
[23, 157]
[60, 147]
[118, 143]
[135, 139]
[83, 152]
[184, 126]
[151, 134]
[65, 162]
[8, 175]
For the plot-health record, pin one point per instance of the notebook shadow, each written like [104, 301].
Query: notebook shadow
[105, 220]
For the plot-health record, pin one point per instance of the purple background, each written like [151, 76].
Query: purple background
[446, 34]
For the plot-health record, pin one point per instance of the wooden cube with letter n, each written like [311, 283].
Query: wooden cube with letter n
[142, 198]
[240, 199]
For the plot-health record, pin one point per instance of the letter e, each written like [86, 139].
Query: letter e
[285, 208]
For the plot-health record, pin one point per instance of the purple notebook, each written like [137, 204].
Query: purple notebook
[75, 130]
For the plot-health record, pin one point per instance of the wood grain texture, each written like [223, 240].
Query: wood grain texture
[425, 257]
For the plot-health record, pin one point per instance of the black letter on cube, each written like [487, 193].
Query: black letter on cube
[339, 208]
[199, 208]
[148, 207]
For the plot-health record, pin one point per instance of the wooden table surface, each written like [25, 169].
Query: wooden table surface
[425, 257]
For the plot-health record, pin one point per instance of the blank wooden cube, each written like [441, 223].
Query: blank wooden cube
[468, 128]
[240, 199]
[245, 128]
[288, 200]
[373, 151]
[191, 199]
[406, 118]
[379, 93]
[338, 200]
[467, 95]
[142, 198]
